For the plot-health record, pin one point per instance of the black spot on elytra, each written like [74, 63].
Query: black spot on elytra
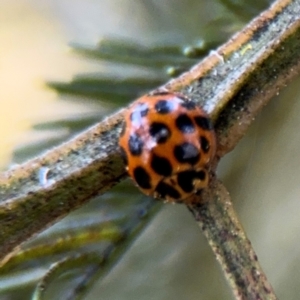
[186, 179]
[204, 143]
[189, 105]
[203, 123]
[160, 132]
[135, 145]
[140, 111]
[187, 153]
[164, 190]
[184, 123]
[201, 175]
[144, 112]
[124, 155]
[161, 165]
[164, 106]
[142, 178]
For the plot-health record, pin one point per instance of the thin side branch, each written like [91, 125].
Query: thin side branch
[220, 225]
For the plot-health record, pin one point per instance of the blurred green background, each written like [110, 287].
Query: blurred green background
[171, 259]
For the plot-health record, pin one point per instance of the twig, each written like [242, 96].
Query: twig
[220, 225]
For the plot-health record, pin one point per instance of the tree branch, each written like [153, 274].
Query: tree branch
[220, 225]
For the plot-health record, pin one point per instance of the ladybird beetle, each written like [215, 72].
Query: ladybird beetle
[168, 143]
